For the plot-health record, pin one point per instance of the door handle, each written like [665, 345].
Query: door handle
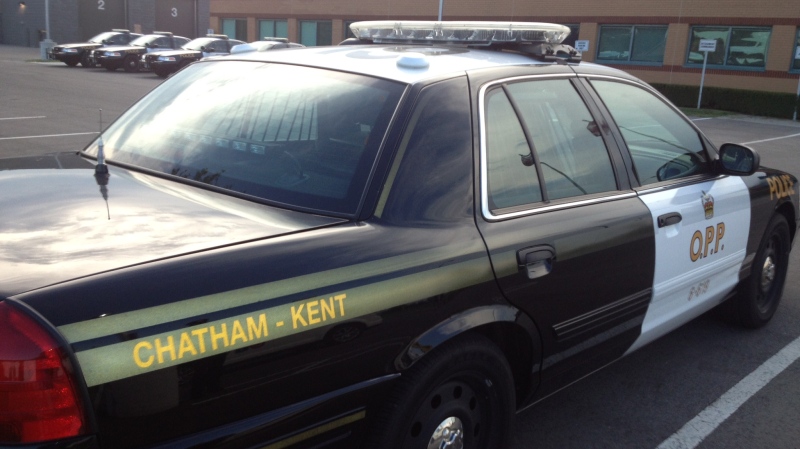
[536, 260]
[669, 219]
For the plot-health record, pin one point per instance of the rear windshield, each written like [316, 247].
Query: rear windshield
[295, 136]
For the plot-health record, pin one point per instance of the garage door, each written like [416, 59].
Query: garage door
[177, 16]
[96, 16]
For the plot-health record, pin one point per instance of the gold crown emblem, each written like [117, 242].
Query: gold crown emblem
[708, 204]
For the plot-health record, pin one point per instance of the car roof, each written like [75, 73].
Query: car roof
[404, 63]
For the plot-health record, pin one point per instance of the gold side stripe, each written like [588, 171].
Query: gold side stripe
[141, 355]
[138, 319]
[317, 431]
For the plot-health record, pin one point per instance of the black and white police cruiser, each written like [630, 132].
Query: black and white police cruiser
[394, 243]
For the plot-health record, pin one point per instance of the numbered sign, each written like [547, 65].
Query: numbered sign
[96, 16]
[176, 16]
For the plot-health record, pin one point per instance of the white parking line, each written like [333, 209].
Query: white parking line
[48, 135]
[696, 430]
[774, 138]
[22, 118]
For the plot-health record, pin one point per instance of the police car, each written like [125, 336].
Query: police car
[127, 56]
[72, 54]
[498, 218]
[163, 63]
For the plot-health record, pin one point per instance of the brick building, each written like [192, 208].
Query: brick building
[23, 22]
[657, 40]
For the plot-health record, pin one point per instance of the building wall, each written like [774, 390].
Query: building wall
[20, 25]
[679, 15]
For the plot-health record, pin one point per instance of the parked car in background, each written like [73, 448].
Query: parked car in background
[266, 44]
[128, 56]
[72, 54]
[163, 63]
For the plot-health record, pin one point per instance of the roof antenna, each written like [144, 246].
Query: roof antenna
[101, 174]
[101, 168]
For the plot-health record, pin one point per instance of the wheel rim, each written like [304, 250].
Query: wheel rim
[771, 275]
[448, 435]
[451, 417]
[767, 274]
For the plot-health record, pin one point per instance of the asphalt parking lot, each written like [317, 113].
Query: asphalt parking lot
[707, 385]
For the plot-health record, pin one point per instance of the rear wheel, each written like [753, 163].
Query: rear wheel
[161, 72]
[759, 295]
[459, 396]
[131, 63]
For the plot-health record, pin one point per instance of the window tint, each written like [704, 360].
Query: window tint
[273, 28]
[662, 144]
[565, 145]
[632, 43]
[795, 54]
[512, 177]
[304, 137]
[736, 46]
[313, 33]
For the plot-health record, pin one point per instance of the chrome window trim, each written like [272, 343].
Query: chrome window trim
[533, 208]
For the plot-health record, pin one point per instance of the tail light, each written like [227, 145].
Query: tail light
[38, 397]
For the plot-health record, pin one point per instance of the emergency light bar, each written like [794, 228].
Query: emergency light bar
[464, 33]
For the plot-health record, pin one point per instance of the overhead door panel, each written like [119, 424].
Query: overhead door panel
[96, 16]
[177, 16]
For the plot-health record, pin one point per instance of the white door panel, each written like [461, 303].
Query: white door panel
[698, 258]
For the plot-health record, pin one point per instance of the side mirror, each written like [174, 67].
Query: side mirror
[737, 160]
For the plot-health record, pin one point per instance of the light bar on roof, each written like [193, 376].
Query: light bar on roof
[464, 33]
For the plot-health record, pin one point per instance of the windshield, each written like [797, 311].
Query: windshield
[296, 136]
[141, 41]
[197, 44]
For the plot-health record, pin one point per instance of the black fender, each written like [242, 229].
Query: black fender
[509, 328]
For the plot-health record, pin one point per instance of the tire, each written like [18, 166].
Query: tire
[131, 63]
[759, 295]
[71, 63]
[85, 61]
[459, 395]
[161, 73]
[110, 67]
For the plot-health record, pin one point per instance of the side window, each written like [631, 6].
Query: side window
[512, 179]
[563, 146]
[662, 144]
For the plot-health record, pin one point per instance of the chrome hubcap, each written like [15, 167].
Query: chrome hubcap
[767, 274]
[449, 435]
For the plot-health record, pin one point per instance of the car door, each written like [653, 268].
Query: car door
[701, 220]
[570, 242]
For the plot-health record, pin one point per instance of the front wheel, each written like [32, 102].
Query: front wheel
[759, 295]
[131, 63]
[459, 396]
[86, 61]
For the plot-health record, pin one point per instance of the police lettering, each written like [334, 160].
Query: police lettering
[706, 243]
[200, 341]
[233, 333]
[780, 186]
[318, 311]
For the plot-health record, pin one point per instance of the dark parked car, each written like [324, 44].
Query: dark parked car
[391, 244]
[128, 56]
[72, 54]
[163, 63]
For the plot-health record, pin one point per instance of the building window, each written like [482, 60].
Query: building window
[273, 28]
[314, 33]
[736, 46]
[796, 55]
[574, 32]
[235, 28]
[639, 44]
[347, 33]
